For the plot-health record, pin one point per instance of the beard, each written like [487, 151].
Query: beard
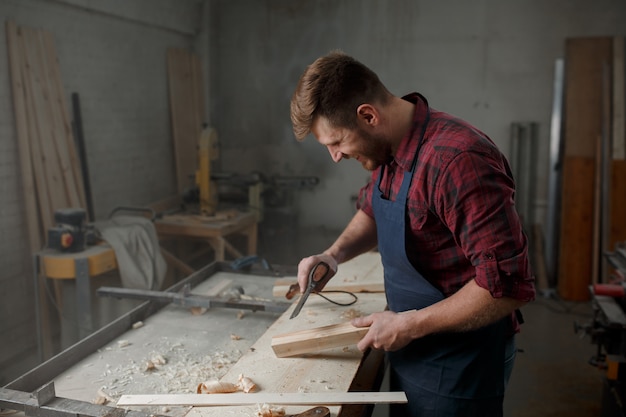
[374, 152]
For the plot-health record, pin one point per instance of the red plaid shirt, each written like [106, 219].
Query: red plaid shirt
[463, 222]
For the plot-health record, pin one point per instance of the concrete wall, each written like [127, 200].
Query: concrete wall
[488, 61]
[112, 53]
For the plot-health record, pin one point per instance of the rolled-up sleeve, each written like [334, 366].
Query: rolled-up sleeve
[476, 196]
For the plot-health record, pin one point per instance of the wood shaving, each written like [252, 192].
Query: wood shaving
[234, 337]
[267, 410]
[103, 398]
[123, 343]
[216, 387]
[155, 363]
[246, 385]
[137, 325]
[198, 311]
[240, 314]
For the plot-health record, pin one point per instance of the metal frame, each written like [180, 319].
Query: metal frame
[50, 369]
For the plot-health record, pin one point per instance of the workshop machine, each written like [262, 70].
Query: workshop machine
[254, 190]
[608, 331]
[70, 232]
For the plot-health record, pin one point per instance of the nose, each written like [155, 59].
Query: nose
[335, 153]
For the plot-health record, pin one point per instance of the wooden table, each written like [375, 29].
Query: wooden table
[213, 230]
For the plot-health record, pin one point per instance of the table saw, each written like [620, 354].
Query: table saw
[163, 348]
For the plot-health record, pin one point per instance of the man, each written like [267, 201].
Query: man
[440, 208]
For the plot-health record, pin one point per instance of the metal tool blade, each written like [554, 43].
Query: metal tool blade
[301, 302]
[316, 277]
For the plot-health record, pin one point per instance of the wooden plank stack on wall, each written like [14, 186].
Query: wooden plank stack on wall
[187, 112]
[591, 97]
[50, 170]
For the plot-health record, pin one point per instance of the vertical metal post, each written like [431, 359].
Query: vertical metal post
[37, 307]
[554, 175]
[523, 155]
[83, 297]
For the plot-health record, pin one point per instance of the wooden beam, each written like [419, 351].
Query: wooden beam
[299, 398]
[318, 339]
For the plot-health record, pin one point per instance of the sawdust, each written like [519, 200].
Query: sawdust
[351, 314]
[171, 369]
[268, 410]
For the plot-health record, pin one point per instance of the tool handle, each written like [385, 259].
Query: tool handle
[320, 275]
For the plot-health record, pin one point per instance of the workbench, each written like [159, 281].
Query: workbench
[219, 344]
[214, 231]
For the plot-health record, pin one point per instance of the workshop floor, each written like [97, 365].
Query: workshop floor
[552, 376]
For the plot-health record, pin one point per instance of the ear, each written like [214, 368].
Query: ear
[368, 114]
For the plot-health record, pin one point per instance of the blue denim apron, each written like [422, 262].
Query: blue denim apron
[448, 374]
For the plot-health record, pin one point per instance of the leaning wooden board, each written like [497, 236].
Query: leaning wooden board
[330, 371]
[361, 274]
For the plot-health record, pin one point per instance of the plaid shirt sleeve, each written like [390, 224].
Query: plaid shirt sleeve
[474, 195]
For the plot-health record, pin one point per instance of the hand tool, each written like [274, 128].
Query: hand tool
[313, 412]
[318, 277]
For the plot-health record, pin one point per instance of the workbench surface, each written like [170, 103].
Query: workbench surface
[196, 348]
[221, 344]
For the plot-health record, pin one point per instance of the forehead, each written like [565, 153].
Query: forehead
[325, 133]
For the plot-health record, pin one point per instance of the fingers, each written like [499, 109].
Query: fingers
[387, 330]
[306, 265]
[362, 321]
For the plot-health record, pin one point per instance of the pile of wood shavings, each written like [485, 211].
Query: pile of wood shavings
[174, 371]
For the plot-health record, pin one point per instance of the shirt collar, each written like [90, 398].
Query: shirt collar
[408, 145]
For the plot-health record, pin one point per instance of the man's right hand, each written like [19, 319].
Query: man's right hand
[306, 265]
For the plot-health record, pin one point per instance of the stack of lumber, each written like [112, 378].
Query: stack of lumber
[593, 194]
[49, 165]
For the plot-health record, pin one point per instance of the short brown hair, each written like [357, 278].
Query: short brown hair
[334, 86]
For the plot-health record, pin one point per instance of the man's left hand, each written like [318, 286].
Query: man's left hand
[388, 331]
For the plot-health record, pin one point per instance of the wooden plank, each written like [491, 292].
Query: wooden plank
[585, 59]
[619, 105]
[62, 134]
[298, 398]
[184, 112]
[576, 229]
[361, 274]
[27, 170]
[317, 339]
[45, 204]
[35, 232]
